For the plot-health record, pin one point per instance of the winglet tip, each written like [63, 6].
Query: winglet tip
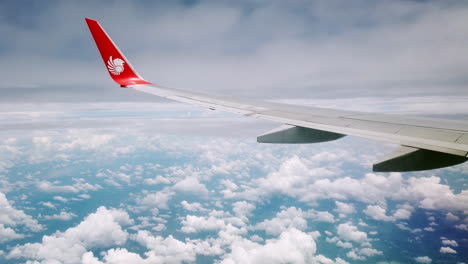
[116, 64]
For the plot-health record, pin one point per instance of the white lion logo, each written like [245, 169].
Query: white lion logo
[115, 66]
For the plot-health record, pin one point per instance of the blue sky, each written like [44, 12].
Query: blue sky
[91, 173]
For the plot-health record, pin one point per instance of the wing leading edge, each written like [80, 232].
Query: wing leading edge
[425, 143]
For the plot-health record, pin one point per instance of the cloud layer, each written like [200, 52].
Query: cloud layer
[316, 49]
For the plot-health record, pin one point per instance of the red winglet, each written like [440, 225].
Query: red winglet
[118, 66]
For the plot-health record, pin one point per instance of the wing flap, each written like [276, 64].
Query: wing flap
[335, 121]
[287, 134]
[413, 159]
[375, 126]
[423, 122]
[463, 139]
[430, 133]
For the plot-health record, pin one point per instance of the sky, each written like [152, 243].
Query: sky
[91, 173]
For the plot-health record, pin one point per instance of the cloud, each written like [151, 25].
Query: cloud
[80, 185]
[292, 246]
[62, 216]
[378, 213]
[60, 199]
[343, 208]
[84, 196]
[463, 227]
[214, 221]
[352, 255]
[429, 229]
[48, 204]
[100, 229]
[447, 250]
[191, 185]
[193, 224]
[374, 189]
[291, 217]
[8, 234]
[73, 141]
[433, 195]
[451, 217]
[157, 180]
[157, 199]
[424, 259]
[192, 206]
[349, 232]
[171, 250]
[292, 178]
[363, 253]
[369, 252]
[10, 216]
[243, 210]
[119, 255]
[404, 226]
[291, 174]
[305, 51]
[236, 224]
[320, 216]
[338, 242]
[114, 177]
[403, 212]
[451, 243]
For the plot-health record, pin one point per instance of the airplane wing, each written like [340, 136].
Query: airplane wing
[424, 143]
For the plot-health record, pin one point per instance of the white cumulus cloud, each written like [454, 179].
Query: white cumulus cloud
[12, 217]
[423, 259]
[62, 216]
[292, 246]
[349, 232]
[100, 229]
[291, 217]
[447, 250]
